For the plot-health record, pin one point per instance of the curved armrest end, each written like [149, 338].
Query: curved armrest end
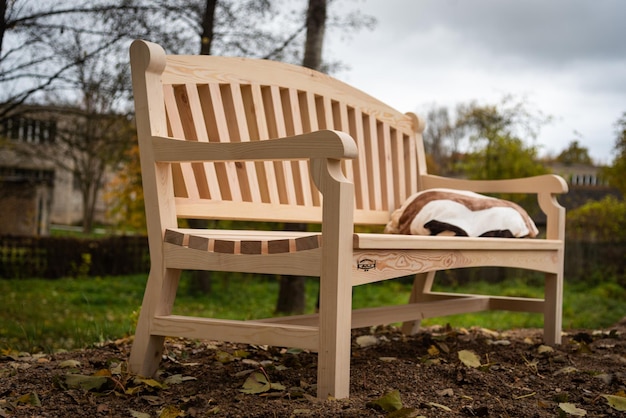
[149, 55]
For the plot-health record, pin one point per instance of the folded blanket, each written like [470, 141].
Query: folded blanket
[460, 213]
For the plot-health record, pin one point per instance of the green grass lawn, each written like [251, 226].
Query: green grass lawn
[47, 315]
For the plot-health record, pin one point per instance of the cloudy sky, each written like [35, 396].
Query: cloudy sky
[566, 58]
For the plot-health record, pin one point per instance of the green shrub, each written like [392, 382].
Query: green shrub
[598, 221]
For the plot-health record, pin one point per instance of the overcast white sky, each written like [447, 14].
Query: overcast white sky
[566, 57]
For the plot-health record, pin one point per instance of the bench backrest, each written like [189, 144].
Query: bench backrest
[221, 99]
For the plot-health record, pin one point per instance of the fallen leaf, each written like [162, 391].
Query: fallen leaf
[440, 406]
[103, 372]
[137, 414]
[150, 382]
[446, 392]
[176, 379]
[224, 357]
[117, 369]
[606, 378]
[256, 383]
[500, 342]
[241, 353]
[616, 402]
[443, 347]
[566, 370]
[366, 341]
[277, 386]
[433, 351]
[69, 364]
[543, 349]
[85, 382]
[389, 402]
[29, 399]
[170, 411]
[571, 409]
[469, 358]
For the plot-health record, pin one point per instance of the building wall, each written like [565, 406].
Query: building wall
[63, 198]
[24, 207]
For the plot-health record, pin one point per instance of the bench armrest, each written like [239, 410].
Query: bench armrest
[547, 183]
[319, 144]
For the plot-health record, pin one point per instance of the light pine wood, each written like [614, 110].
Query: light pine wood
[252, 140]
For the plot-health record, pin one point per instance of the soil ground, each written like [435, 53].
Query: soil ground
[430, 374]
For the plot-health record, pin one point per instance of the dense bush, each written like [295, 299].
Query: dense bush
[598, 221]
[596, 241]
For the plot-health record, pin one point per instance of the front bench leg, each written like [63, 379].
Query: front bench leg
[158, 299]
[553, 308]
[333, 370]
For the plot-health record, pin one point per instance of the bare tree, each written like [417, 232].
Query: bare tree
[441, 140]
[291, 295]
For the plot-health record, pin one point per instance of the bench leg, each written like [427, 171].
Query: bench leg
[158, 299]
[553, 308]
[422, 285]
[333, 368]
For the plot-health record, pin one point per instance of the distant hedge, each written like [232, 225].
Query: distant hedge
[54, 257]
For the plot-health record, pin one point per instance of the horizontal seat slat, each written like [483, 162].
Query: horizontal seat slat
[244, 242]
[365, 241]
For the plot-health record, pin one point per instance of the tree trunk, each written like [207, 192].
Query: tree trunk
[208, 23]
[3, 22]
[201, 282]
[292, 296]
[315, 28]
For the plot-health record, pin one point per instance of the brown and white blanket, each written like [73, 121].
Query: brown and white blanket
[460, 213]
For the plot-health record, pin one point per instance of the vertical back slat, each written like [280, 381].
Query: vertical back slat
[308, 113]
[276, 126]
[386, 166]
[235, 133]
[227, 172]
[411, 164]
[247, 175]
[397, 150]
[266, 174]
[184, 181]
[355, 120]
[340, 123]
[209, 176]
[302, 179]
[372, 167]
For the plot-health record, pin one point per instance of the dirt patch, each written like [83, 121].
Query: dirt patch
[424, 375]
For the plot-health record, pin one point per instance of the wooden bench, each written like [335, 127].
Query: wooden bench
[242, 139]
